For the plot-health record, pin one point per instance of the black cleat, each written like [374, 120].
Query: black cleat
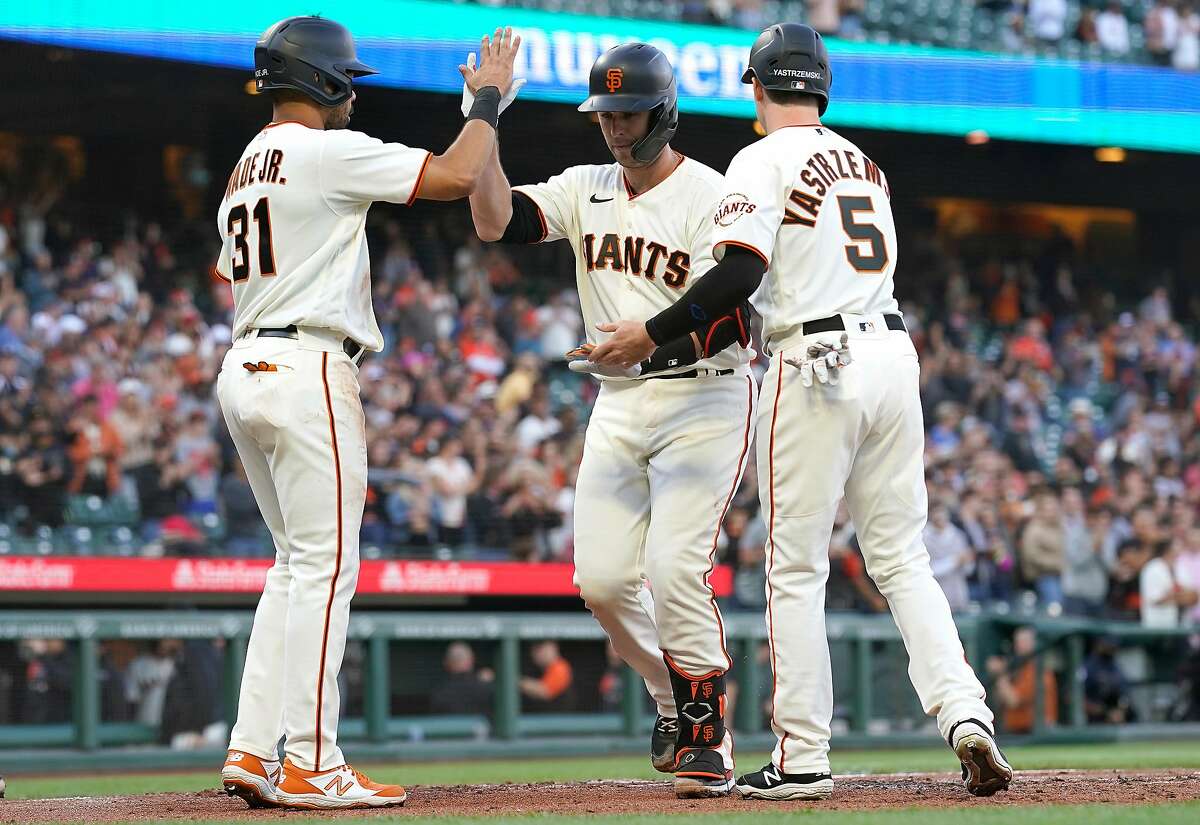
[701, 772]
[772, 783]
[985, 771]
[662, 743]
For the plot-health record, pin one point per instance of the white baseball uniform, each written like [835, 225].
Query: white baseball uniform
[294, 248]
[817, 211]
[662, 456]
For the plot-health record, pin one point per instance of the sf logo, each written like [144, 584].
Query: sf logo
[613, 79]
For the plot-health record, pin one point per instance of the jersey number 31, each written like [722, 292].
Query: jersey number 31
[238, 225]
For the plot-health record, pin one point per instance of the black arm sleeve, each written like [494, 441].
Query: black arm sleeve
[722, 288]
[731, 328]
[526, 224]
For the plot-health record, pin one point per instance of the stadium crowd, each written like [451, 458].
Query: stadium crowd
[1161, 32]
[1063, 464]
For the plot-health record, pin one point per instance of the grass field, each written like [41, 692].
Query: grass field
[1138, 755]
[1173, 755]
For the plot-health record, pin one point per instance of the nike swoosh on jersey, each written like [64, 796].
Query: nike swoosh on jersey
[595, 199]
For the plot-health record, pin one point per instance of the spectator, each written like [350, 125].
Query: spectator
[95, 452]
[243, 523]
[1124, 589]
[851, 11]
[1162, 31]
[465, 688]
[1167, 592]
[1085, 30]
[1105, 688]
[849, 587]
[1085, 578]
[136, 428]
[1047, 19]
[823, 16]
[1043, 546]
[146, 681]
[1015, 682]
[950, 556]
[1189, 568]
[1186, 57]
[1112, 29]
[453, 480]
[42, 470]
[48, 681]
[537, 425]
[553, 688]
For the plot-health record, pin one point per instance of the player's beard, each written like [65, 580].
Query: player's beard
[339, 116]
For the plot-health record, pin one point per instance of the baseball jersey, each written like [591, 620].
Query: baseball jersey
[293, 227]
[818, 212]
[634, 254]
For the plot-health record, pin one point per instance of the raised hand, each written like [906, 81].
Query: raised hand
[496, 56]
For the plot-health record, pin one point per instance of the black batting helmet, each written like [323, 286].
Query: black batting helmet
[636, 77]
[791, 57]
[310, 55]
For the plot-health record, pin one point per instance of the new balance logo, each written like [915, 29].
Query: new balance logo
[772, 774]
[341, 788]
[236, 757]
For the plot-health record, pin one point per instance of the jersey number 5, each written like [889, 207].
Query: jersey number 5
[238, 225]
[862, 233]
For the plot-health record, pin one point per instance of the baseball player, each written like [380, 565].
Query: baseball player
[808, 209]
[294, 251]
[667, 440]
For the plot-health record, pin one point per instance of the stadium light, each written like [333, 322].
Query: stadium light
[1110, 154]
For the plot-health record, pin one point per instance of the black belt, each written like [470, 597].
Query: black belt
[692, 374]
[352, 347]
[834, 323]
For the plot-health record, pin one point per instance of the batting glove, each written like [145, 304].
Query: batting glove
[577, 361]
[469, 99]
[823, 361]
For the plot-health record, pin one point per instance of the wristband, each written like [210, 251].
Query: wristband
[486, 106]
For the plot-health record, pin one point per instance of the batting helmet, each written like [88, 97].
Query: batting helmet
[791, 57]
[636, 77]
[310, 55]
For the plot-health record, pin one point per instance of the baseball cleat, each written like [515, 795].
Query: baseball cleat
[984, 768]
[771, 783]
[662, 743]
[700, 773]
[333, 789]
[251, 778]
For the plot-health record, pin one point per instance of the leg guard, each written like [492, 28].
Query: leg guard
[701, 704]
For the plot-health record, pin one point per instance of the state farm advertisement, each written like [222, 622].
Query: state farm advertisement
[406, 577]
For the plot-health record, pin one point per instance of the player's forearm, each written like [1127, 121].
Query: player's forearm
[722, 289]
[455, 173]
[491, 202]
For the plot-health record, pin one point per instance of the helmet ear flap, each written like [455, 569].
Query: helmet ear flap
[660, 128]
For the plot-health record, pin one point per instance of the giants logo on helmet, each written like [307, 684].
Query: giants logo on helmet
[613, 79]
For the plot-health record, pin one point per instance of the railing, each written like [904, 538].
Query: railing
[862, 645]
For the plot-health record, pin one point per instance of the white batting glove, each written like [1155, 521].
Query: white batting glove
[468, 99]
[577, 361]
[823, 361]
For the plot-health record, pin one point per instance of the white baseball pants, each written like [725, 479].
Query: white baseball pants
[864, 437]
[300, 432]
[662, 461]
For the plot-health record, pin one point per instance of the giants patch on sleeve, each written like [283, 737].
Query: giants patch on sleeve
[731, 208]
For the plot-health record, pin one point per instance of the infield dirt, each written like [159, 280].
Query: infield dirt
[611, 797]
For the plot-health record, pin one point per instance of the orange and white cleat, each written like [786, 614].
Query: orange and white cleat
[251, 778]
[333, 789]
